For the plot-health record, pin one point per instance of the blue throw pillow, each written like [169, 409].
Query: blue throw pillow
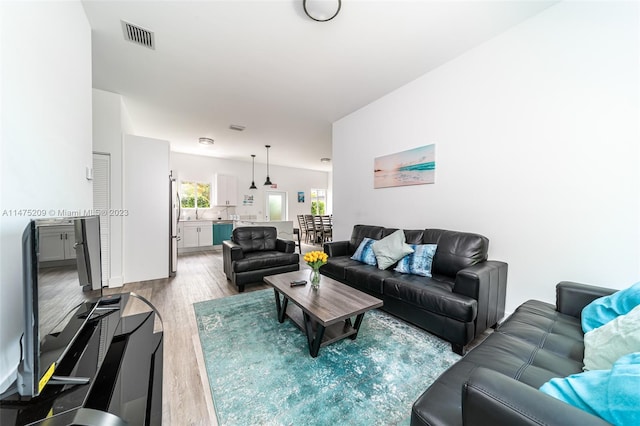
[419, 262]
[610, 394]
[607, 308]
[364, 253]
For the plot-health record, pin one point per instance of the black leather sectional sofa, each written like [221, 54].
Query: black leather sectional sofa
[497, 382]
[464, 297]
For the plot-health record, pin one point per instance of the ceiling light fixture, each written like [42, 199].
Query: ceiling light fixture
[236, 127]
[325, 160]
[205, 141]
[253, 172]
[321, 10]
[268, 181]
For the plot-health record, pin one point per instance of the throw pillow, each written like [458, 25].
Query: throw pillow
[390, 249]
[364, 253]
[604, 309]
[610, 394]
[419, 262]
[604, 345]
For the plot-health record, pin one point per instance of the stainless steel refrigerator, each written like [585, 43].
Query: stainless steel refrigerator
[174, 216]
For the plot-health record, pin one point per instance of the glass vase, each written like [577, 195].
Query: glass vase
[314, 278]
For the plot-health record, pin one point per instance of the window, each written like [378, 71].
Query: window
[195, 194]
[318, 201]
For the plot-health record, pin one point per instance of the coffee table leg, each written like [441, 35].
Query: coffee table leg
[281, 308]
[314, 341]
[356, 326]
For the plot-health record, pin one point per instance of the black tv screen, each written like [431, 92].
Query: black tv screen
[54, 293]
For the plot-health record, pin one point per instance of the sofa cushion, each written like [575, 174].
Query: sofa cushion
[255, 238]
[540, 324]
[390, 249]
[360, 232]
[364, 253]
[264, 259]
[606, 308]
[604, 345]
[419, 262]
[456, 250]
[336, 267]
[368, 278]
[431, 295]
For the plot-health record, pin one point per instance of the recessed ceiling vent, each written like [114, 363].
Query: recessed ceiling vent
[138, 35]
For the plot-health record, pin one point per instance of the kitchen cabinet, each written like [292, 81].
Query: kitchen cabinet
[196, 233]
[226, 190]
[221, 232]
[56, 243]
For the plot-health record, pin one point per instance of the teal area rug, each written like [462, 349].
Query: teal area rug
[261, 373]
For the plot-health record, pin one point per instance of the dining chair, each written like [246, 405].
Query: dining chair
[327, 228]
[311, 228]
[319, 229]
[303, 227]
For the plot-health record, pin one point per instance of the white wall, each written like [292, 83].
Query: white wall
[289, 179]
[536, 135]
[46, 138]
[146, 200]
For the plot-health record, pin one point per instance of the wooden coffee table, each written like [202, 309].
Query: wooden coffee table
[324, 314]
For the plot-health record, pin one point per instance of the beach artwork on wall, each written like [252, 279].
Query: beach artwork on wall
[413, 167]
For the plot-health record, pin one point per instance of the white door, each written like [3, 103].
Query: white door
[276, 207]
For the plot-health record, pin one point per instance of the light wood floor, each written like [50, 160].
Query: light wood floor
[186, 395]
[186, 398]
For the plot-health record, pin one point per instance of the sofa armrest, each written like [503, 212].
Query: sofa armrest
[232, 250]
[485, 282]
[336, 248]
[230, 253]
[285, 246]
[572, 297]
[491, 398]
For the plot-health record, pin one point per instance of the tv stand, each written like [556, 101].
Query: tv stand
[111, 375]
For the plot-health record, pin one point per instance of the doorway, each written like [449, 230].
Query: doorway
[276, 207]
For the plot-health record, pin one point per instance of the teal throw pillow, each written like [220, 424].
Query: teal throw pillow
[604, 345]
[419, 262]
[390, 249]
[610, 394]
[604, 309]
[364, 253]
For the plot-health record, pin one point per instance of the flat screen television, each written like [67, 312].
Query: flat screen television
[34, 371]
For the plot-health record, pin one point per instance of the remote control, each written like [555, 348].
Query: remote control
[297, 283]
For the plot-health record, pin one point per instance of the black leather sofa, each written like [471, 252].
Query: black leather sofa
[255, 252]
[497, 382]
[465, 296]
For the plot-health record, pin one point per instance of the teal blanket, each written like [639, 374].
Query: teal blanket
[613, 395]
[607, 308]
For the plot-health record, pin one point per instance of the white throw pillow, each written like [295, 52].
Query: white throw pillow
[390, 249]
[606, 344]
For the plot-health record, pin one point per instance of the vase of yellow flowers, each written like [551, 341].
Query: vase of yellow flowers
[315, 259]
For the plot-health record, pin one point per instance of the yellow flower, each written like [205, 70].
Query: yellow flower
[316, 258]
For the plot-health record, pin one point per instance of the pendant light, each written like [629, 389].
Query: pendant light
[253, 172]
[268, 181]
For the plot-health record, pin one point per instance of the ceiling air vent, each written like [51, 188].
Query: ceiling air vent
[138, 35]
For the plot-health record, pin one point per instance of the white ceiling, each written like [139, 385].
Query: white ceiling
[264, 65]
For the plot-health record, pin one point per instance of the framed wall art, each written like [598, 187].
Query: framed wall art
[413, 167]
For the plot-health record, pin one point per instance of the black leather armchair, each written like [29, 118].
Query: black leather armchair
[255, 252]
